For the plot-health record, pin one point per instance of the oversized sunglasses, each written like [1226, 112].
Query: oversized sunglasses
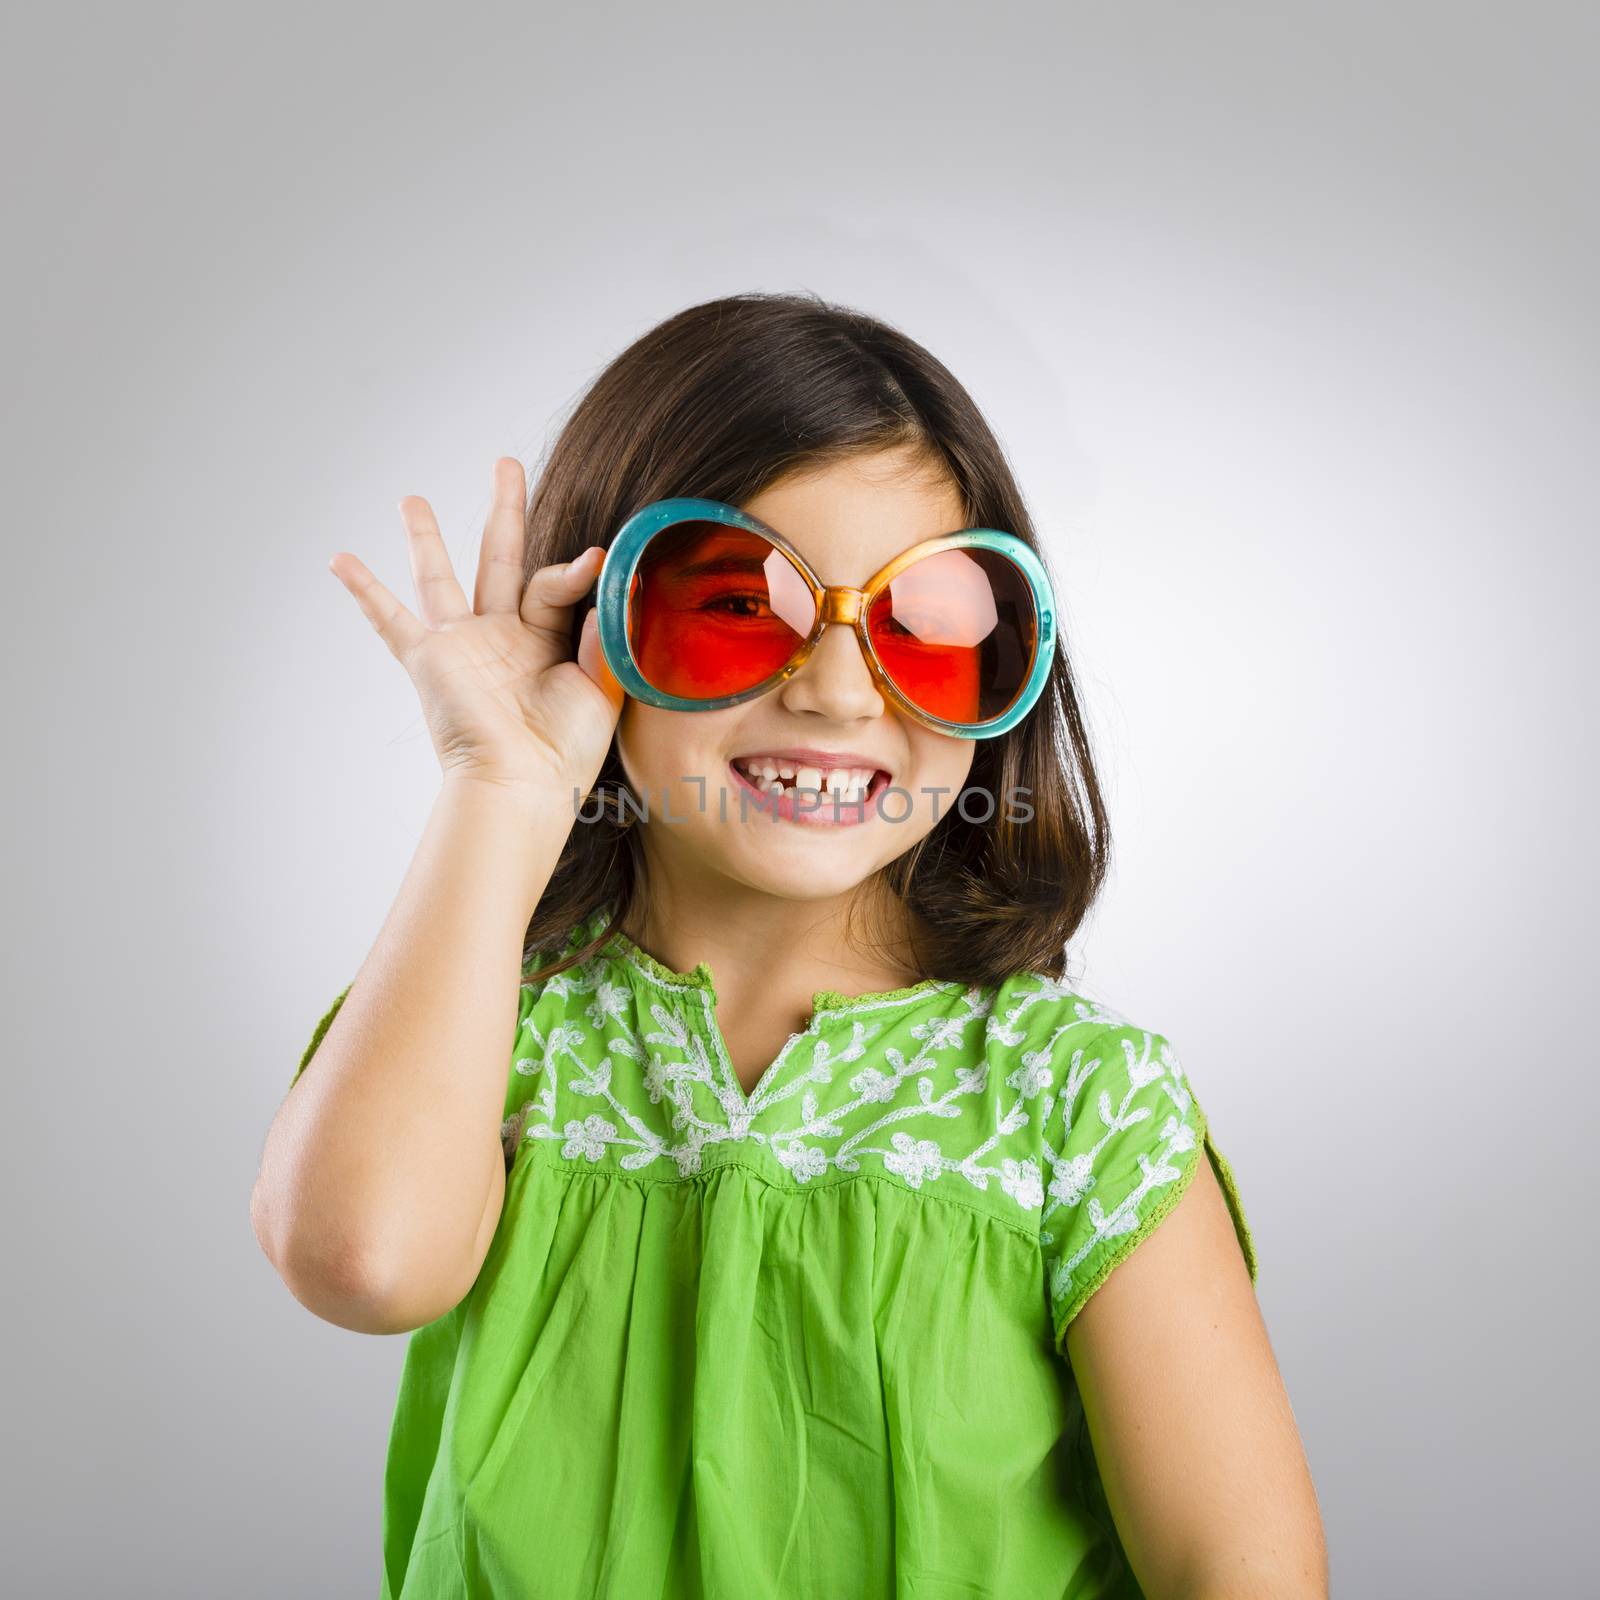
[703, 606]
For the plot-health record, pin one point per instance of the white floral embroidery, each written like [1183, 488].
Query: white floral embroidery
[1053, 1122]
[873, 1085]
[1151, 1068]
[1020, 1180]
[803, 1160]
[932, 1071]
[588, 1138]
[1071, 1179]
[914, 1159]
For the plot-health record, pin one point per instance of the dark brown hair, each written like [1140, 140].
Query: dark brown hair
[722, 400]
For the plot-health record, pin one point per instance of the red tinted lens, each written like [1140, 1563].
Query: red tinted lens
[715, 610]
[956, 631]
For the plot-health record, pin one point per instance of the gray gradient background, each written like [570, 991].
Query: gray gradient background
[1287, 319]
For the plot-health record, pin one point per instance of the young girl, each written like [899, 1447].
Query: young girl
[793, 1227]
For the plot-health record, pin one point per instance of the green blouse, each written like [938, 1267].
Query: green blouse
[808, 1341]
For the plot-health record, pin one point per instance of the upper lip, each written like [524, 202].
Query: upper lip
[805, 756]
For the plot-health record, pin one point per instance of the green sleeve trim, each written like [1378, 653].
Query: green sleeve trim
[1123, 1245]
[322, 1028]
[1230, 1193]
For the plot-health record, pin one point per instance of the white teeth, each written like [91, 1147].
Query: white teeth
[849, 784]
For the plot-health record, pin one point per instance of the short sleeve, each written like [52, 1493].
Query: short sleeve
[1123, 1135]
[530, 969]
[516, 1106]
[321, 1028]
[527, 1087]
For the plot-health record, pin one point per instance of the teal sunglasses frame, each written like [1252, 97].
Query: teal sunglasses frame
[835, 603]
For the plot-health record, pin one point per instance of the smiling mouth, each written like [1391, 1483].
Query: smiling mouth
[845, 785]
[798, 800]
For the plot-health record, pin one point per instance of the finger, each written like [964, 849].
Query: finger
[439, 596]
[499, 584]
[593, 660]
[395, 625]
[552, 591]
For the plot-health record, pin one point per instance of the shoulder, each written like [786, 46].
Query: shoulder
[1094, 1073]
[1089, 1075]
[579, 978]
[1044, 1019]
[1121, 1135]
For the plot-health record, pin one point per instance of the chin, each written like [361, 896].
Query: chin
[803, 879]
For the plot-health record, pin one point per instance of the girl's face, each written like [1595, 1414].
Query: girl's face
[847, 520]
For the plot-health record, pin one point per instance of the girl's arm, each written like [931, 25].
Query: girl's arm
[383, 1173]
[1202, 1462]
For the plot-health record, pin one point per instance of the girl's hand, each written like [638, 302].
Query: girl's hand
[503, 698]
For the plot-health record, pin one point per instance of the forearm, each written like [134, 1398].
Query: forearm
[381, 1163]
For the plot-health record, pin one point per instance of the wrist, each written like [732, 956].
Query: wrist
[532, 797]
[515, 832]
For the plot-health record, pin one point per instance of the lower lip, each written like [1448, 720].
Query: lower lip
[813, 810]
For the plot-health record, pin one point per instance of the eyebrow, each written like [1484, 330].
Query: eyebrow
[725, 556]
[726, 562]
[714, 566]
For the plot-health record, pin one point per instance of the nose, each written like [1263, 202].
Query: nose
[835, 681]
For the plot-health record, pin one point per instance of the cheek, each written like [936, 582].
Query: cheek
[646, 748]
[627, 737]
[667, 752]
[946, 765]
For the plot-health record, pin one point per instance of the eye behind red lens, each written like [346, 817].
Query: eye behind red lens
[956, 632]
[715, 610]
